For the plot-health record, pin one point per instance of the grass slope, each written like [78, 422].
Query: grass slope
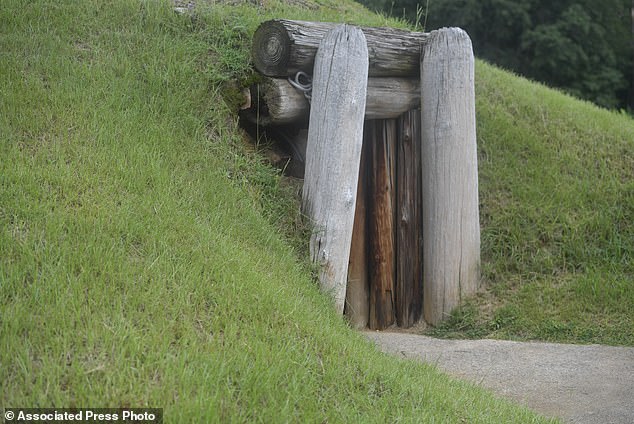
[557, 206]
[136, 265]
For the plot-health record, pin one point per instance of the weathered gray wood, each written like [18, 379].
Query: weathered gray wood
[283, 47]
[358, 291]
[451, 231]
[409, 260]
[391, 97]
[381, 136]
[277, 102]
[335, 137]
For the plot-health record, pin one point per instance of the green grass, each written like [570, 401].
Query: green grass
[557, 206]
[138, 262]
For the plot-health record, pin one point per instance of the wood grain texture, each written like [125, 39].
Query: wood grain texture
[381, 135]
[451, 231]
[283, 47]
[335, 137]
[276, 102]
[409, 261]
[390, 97]
[358, 290]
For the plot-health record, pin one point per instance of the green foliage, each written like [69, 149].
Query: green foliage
[576, 52]
[583, 47]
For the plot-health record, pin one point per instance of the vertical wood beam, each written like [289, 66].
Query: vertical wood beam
[335, 136]
[382, 138]
[358, 291]
[409, 261]
[451, 231]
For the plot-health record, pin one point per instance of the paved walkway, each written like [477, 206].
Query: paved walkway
[578, 383]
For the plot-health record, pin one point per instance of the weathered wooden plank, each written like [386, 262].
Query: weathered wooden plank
[451, 231]
[277, 102]
[358, 291]
[382, 138]
[409, 261]
[335, 137]
[283, 47]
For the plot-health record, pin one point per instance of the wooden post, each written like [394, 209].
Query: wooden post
[358, 291]
[409, 261]
[335, 137]
[276, 102]
[282, 48]
[451, 231]
[381, 136]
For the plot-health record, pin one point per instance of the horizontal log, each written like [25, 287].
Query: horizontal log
[283, 47]
[277, 102]
[391, 97]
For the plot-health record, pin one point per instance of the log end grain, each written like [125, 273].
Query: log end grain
[271, 49]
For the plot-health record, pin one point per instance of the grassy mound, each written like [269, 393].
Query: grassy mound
[137, 266]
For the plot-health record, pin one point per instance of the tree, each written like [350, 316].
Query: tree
[575, 52]
[631, 99]
[582, 46]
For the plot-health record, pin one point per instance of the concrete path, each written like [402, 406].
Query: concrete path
[577, 383]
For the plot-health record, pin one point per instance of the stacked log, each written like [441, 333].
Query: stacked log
[282, 47]
[396, 214]
[277, 102]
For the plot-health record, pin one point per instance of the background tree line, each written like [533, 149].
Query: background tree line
[584, 47]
